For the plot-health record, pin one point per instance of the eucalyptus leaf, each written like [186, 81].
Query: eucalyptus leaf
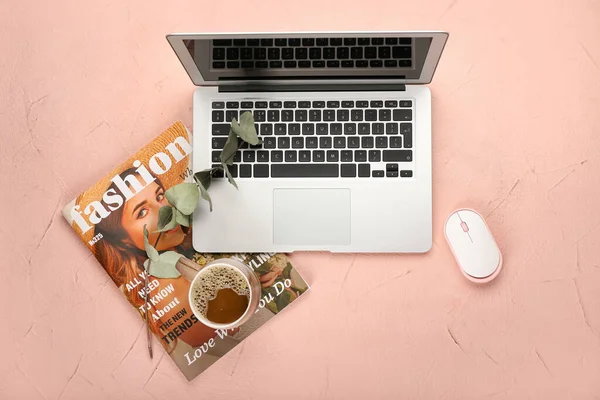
[150, 250]
[205, 196]
[166, 219]
[287, 270]
[245, 129]
[283, 300]
[229, 176]
[165, 266]
[231, 147]
[204, 177]
[184, 197]
[181, 218]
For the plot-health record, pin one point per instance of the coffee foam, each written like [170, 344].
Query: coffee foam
[212, 280]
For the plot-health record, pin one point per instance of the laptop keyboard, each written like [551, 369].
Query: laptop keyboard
[320, 139]
[360, 52]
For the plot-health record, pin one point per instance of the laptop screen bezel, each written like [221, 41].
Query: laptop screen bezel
[438, 41]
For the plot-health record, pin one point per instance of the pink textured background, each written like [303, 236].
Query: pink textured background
[516, 104]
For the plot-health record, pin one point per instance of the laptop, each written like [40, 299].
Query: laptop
[345, 123]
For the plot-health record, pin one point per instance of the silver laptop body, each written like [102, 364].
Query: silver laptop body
[345, 120]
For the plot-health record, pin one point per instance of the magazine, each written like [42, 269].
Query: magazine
[110, 216]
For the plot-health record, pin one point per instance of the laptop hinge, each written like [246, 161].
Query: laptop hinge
[346, 87]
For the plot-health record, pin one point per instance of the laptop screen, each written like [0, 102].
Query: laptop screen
[392, 57]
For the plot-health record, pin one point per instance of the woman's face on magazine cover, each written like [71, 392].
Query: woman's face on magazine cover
[142, 210]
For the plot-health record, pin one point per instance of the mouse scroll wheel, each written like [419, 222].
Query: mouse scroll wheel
[464, 226]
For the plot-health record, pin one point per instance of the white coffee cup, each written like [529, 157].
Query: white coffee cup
[253, 286]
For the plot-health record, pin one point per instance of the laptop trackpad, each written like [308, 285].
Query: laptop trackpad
[311, 216]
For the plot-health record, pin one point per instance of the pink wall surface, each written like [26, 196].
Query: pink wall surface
[516, 120]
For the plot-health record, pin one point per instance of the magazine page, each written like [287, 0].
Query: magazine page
[110, 216]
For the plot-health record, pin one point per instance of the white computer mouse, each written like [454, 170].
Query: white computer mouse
[473, 245]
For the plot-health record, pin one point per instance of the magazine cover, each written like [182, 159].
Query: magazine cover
[110, 217]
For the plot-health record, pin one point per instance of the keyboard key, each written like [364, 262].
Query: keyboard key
[272, 64]
[367, 142]
[311, 143]
[262, 156]
[333, 156]
[370, 52]
[218, 53]
[360, 156]
[376, 63]
[390, 63]
[301, 53]
[325, 142]
[293, 170]
[378, 174]
[304, 64]
[401, 52]
[314, 53]
[247, 54]
[350, 128]
[335, 41]
[377, 41]
[349, 41]
[218, 116]
[343, 115]
[248, 156]
[328, 115]
[347, 64]
[362, 64]
[371, 115]
[245, 171]
[364, 129]
[348, 104]
[333, 104]
[266, 129]
[322, 129]
[275, 104]
[304, 104]
[378, 128]
[266, 42]
[291, 156]
[362, 104]
[385, 52]
[294, 42]
[233, 53]
[318, 64]
[397, 155]
[284, 142]
[406, 103]
[216, 156]
[395, 142]
[318, 156]
[391, 167]
[294, 129]
[336, 129]
[269, 143]
[273, 115]
[391, 41]
[260, 115]
[333, 64]
[280, 42]
[381, 142]
[287, 54]
[277, 156]
[364, 170]
[391, 174]
[406, 132]
[346, 156]
[289, 104]
[301, 115]
[391, 103]
[322, 41]
[314, 115]
[218, 64]
[406, 174]
[318, 104]
[218, 174]
[233, 104]
[280, 129]
[357, 115]
[339, 142]
[328, 53]
[391, 128]
[237, 157]
[356, 53]
[364, 41]
[404, 63]
[222, 42]
[348, 171]
[308, 129]
[298, 142]
[260, 53]
[287, 115]
[375, 155]
[261, 170]
[353, 142]
[274, 53]
[385, 115]
[233, 64]
[218, 142]
[401, 115]
[261, 64]
[221, 129]
[247, 104]
[304, 156]
[289, 64]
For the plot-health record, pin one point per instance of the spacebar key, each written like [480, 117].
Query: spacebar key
[293, 170]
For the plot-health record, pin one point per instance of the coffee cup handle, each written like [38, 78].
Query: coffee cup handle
[187, 268]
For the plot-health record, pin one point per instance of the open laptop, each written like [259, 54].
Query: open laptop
[345, 120]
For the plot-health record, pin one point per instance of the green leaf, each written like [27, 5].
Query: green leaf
[246, 129]
[204, 177]
[283, 300]
[150, 251]
[229, 176]
[165, 266]
[181, 218]
[166, 219]
[272, 307]
[231, 147]
[287, 270]
[184, 197]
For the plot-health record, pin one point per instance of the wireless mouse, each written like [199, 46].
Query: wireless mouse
[473, 245]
